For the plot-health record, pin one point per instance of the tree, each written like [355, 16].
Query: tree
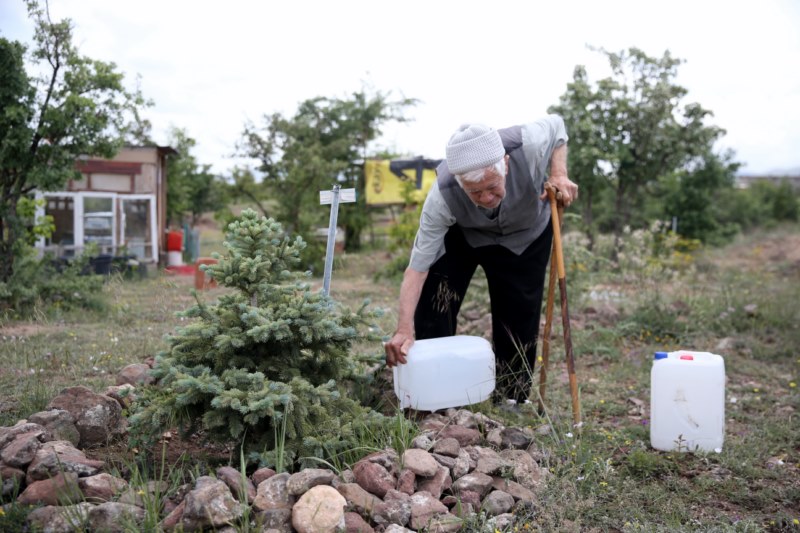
[631, 125]
[324, 143]
[266, 366]
[78, 106]
[691, 197]
[582, 109]
[193, 188]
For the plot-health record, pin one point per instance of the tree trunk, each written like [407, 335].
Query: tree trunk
[8, 236]
[588, 218]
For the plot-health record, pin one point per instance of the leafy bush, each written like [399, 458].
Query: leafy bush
[49, 285]
[267, 364]
[763, 204]
[401, 235]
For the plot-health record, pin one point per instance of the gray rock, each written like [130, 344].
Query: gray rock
[97, 417]
[424, 507]
[448, 447]
[273, 494]
[59, 519]
[8, 434]
[114, 517]
[393, 511]
[497, 503]
[209, 505]
[20, 452]
[477, 482]
[53, 458]
[302, 481]
[58, 424]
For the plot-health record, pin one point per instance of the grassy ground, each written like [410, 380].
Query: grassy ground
[741, 302]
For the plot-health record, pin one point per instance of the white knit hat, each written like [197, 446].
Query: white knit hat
[472, 147]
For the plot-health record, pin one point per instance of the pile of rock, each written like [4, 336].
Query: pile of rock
[462, 463]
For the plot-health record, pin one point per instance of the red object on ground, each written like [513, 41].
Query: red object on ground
[174, 241]
[201, 279]
[182, 270]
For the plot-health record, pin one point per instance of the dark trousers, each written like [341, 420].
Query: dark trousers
[516, 286]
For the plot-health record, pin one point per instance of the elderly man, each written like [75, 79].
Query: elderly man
[487, 207]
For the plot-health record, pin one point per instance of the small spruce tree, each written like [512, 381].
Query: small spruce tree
[267, 365]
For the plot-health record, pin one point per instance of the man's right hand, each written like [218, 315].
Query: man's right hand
[397, 348]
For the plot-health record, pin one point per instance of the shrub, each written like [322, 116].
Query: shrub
[50, 285]
[267, 364]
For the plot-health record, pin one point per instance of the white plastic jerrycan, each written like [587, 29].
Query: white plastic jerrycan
[445, 372]
[687, 401]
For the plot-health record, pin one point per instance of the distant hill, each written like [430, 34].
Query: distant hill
[793, 172]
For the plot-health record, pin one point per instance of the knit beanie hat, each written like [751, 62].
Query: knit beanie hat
[472, 147]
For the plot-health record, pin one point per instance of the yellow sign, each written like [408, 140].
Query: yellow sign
[387, 180]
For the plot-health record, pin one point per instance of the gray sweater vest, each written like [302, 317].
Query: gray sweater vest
[520, 218]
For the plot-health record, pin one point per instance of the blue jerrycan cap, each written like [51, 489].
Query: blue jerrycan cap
[660, 355]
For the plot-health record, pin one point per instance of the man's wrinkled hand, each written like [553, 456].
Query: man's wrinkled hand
[397, 349]
[568, 190]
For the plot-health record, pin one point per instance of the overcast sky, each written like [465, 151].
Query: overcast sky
[210, 66]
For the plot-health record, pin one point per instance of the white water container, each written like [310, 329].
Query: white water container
[174, 258]
[445, 372]
[687, 401]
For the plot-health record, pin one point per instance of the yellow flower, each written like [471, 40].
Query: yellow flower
[602, 401]
[603, 484]
[796, 522]
[792, 384]
[2, 512]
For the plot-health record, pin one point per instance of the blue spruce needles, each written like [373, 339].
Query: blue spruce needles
[271, 358]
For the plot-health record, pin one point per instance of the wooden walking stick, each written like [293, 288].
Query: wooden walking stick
[548, 325]
[558, 252]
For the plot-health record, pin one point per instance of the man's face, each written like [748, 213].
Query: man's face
[489, 191]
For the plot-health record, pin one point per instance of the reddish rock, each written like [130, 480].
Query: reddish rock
[464, 436]
[437, 483]
[353, 523]
[373, 478]
[135, 374]
[407, 482]
[359, 499]
[240, 486]
[262, 474]
[102, 487]
[174, 518]
[61, 488]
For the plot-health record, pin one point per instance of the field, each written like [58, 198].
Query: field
[741, 301]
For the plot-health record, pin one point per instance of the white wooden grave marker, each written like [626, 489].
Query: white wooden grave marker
[333, 197]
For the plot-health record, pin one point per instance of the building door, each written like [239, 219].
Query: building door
[138, 223]
[99, 222]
